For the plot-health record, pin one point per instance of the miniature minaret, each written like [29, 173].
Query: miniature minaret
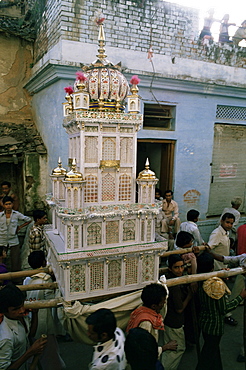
[74, 188]
[146, 185]
[57, 176]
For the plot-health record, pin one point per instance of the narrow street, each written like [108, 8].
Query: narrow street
[77, 356]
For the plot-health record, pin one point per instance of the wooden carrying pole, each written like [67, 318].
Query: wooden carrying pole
[29, 287]
[25, 273]
[170, 282]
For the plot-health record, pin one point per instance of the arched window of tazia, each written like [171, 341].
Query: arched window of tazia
[91, 189]
[129, 230]
[94, 234]
[125, 187]
[108, 148]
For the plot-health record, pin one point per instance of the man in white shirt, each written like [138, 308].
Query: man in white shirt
[15, 329]
[235, 204]
[170, 223]
[191, 227]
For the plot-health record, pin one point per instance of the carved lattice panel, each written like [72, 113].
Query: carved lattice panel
[114, 273]
[149, 223]
[109, 149]
[69, 198]
[129, 230]
[69, 236]
[91, 149]
[76, 236]
[108, 188]
[148, 267]
[144, 194]
[61, 190]
[109, 129]
[91, 128]
[126, 155]
[142, 230]
[97, 276]
[131, 271]
[91, 189]
[77, 278]
[75, 198]
[112, 232]
[125, 188]
[94, 234]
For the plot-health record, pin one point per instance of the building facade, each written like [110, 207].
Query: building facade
[193, 96]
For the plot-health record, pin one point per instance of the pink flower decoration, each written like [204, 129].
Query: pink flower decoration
[69, 90]
[81, 76]
[134, 80]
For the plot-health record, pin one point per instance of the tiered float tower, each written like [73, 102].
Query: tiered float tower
[101, 240]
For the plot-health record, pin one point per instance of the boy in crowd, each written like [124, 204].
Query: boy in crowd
[219, 242]
[50, 358]
[15, 329]
[219, 239]
[109, 352]
[9, 220]
[178, 299]
[7, 191]
[36, 235]
[214, 306]
[191, 227]
[148, 316]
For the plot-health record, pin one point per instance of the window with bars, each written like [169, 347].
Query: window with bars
[231, 113]
[159, 117]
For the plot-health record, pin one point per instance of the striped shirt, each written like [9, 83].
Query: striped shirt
[213, 311]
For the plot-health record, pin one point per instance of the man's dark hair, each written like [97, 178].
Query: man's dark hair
[38, 213]
[173, 258]
[227, 215]
[103, 321]
[6, 183]
[36, 259]
[183, 238]
[192, 214]
[153, 294]
[10, 296]
[168, 191]
[7, 199]
[205, 263]
[141, 349]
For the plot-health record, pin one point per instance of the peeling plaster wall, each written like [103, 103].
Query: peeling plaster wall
[19, 136]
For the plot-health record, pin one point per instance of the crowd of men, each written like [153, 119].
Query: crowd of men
[28, 340]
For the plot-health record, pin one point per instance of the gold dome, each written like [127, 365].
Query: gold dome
[146, 174]
[106, 85]
[59, 171]
[73, 174]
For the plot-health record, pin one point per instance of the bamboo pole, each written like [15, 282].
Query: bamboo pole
[182, 251]
[25, 273]
[28, 287]
[43, 304]
[187, 279]
[170, 282]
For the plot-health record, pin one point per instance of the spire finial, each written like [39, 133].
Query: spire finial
[101, 43]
